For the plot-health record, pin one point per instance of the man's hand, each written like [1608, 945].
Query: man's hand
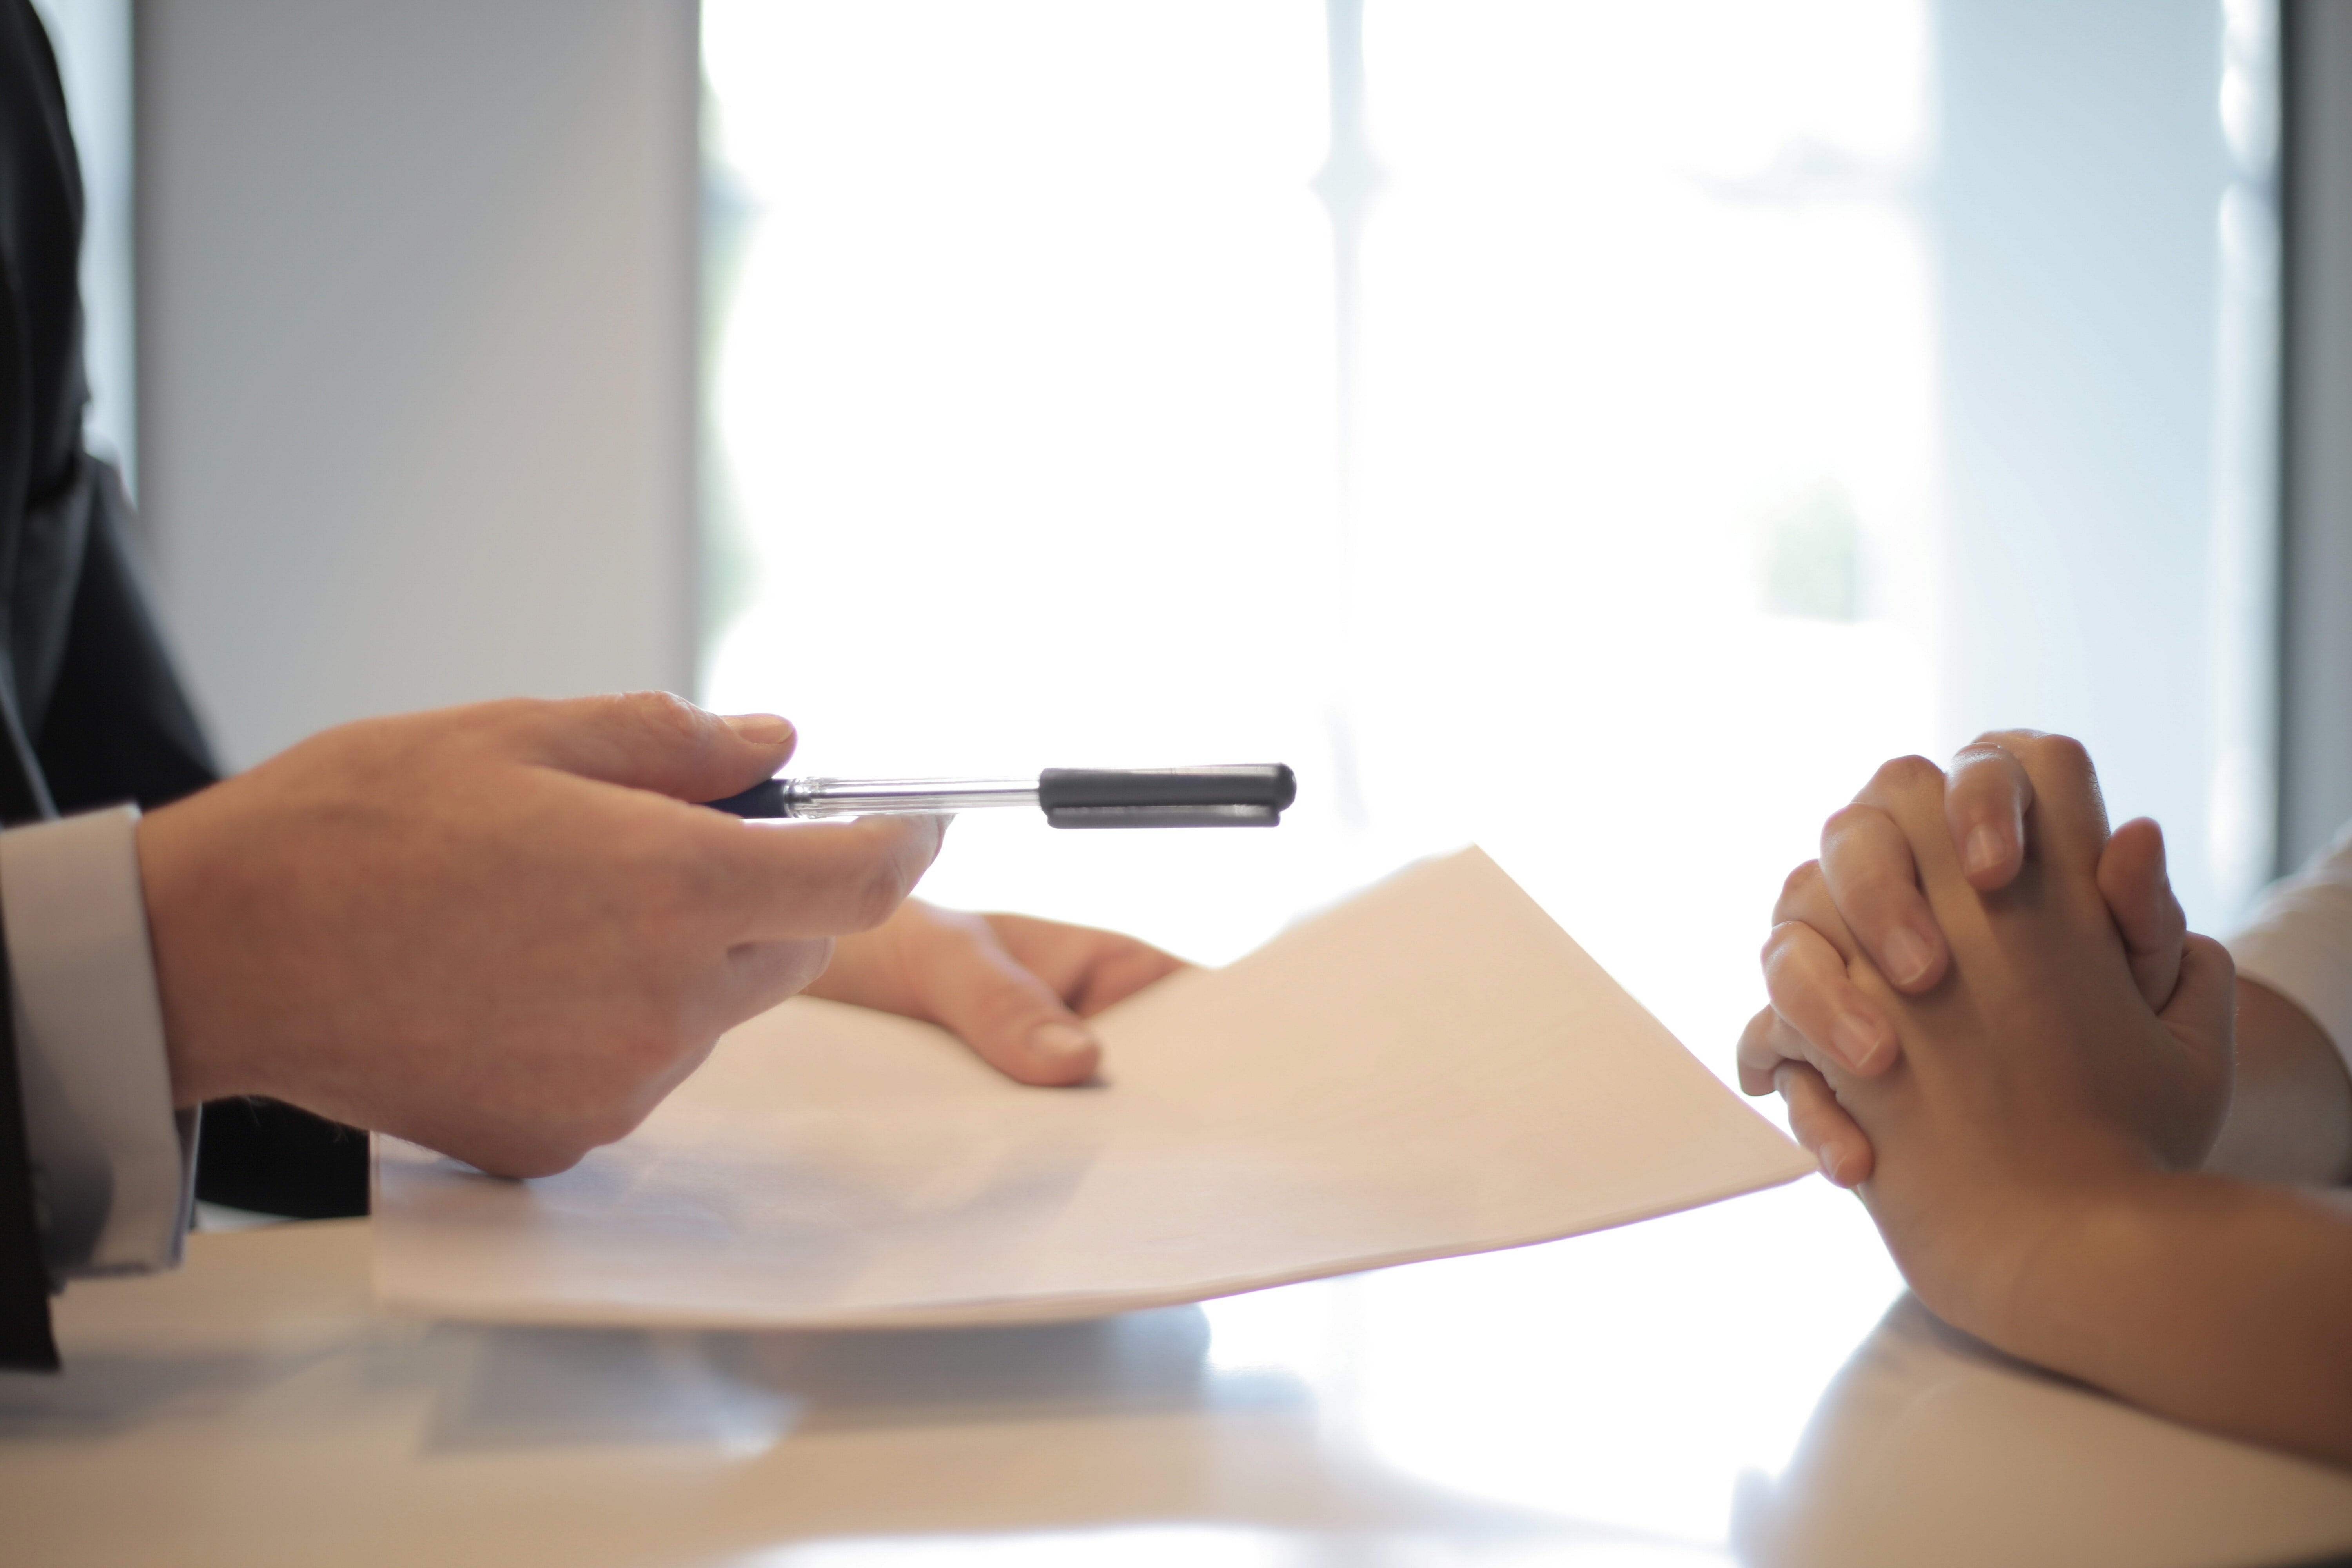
[1014, 988]
[1869, 878]
[500, 931]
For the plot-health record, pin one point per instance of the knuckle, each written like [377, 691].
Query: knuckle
[1843, 820]
[1763, 1044]
[2214, 953]
[880, 890]
[1783, 949]
[647, 1054]
[1804, 896]
[609, 1126]
[803, 963]
[1984, 767]
[507, 714]
[779, 969]
[949, 930]
[1848, 823]
[2064, 752]
[1903, 774]
[666, 713]
[1006, 1011]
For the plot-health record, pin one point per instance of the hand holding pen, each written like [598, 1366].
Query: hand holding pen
[1248, 796]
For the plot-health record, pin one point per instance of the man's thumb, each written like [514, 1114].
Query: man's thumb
[654, 741]
[1009, 1017]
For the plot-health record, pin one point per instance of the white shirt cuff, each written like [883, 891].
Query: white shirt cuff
[113, 1165]
[2298, 942]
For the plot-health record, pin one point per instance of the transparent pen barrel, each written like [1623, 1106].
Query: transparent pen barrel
[888, 797]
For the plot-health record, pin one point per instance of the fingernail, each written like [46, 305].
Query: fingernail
[1986, 849]
[1061, 1042]
[1857, 1039]
[1907, 955]
[1828, 1160]
[762, 729]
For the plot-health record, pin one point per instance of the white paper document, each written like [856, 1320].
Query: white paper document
[1432, 1068]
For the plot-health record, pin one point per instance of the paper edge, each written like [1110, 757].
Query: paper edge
[987, 1311]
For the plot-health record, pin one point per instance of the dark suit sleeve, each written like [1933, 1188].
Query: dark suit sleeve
[25, 1339]
[119, 727]
[116, 725]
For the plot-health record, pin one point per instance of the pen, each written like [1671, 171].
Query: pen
[1253, 795]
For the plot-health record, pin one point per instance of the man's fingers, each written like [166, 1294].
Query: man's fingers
[782, 881]
[1819, 1124]
[653, 740]
[1867, 868]
[2133, 882]
[1809, 988]
[761, 974]
[965, 981]
[1090, 970]
[1986, 794]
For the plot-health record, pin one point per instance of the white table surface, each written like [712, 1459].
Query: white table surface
[1743, 1384]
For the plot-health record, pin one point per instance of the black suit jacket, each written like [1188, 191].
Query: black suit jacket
[90, 712]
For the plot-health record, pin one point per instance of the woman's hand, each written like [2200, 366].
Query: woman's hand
[1014, 988]
[1868, 880]
[2035, 1081]
[2034, 1140]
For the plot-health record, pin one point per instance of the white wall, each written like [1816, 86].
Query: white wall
[2077, 202]
[416, 318]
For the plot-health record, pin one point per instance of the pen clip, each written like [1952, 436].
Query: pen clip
[1252, 795]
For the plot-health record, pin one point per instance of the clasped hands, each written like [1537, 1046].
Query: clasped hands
[1988, 1016]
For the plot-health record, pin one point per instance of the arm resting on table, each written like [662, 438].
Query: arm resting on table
[2216, 1302]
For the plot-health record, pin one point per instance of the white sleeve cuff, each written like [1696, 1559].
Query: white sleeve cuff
[113, 1166]
[2298, 942]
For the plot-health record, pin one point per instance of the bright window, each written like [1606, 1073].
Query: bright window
[1027, 398]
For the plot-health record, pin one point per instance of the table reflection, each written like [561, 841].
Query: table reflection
[1726, 1385]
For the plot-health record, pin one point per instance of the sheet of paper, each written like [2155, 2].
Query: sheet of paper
[1432, 1068]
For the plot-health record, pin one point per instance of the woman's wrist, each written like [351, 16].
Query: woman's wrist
[2097, 1259]
[2006, 1266]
